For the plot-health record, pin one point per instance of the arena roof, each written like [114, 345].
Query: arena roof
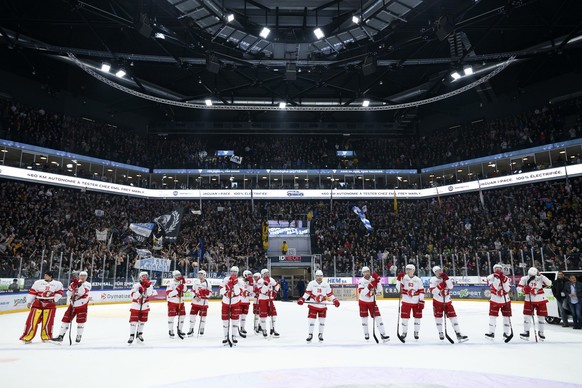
[387, 52]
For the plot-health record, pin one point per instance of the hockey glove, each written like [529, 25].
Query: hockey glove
[444, 276]
[300, 301]
[400, 276]
[527, 290]
[336, 302]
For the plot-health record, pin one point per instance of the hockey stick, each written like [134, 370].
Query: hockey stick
[374, 319]
[401, 338]
[445, 319]
[533, 317]
[228, 324]
[323, 303]
[510, 336]
[180, 335]
[72, 307]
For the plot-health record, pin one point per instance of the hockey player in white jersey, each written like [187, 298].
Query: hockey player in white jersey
[368, 287]
[532, 286]
[316, 294]
[231, 290]
[78, 294]
[440, 287]
[412, 291]
[140, 306]
[175, 297]
[245, 301]
[42, 301]
[499, 286]
[201, 291]
[268, 289]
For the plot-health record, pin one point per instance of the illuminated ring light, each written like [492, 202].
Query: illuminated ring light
[297, 108]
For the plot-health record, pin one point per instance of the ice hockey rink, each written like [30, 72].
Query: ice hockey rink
[343, 359]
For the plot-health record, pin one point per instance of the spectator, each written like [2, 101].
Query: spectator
[284, 289]
[284, 248]
[14, 287]
[560, 293]
[574, 297]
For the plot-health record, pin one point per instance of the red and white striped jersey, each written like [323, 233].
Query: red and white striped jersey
[537, 287]
[81, 293]
[499, 291]
[45, 291]
[199, 296]
[172, 294]
[412, 289]
[318, 293]
[441, 289]
[138, 300]
[236, 291]
[367, 295]
[268, 288]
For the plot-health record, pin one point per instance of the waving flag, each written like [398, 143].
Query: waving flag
[363, 218]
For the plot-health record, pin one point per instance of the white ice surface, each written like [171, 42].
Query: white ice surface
[345, 359]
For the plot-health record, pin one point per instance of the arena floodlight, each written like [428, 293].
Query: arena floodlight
[366, 103]
[208, 102]
[105, 67]
[455, 75]
[230, 17]
[468, 70]
[120, 73]
[264, 33]
[159, 35]
[355, 19]
[282, 105]
[318, 33]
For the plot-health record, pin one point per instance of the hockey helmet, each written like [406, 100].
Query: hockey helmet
[319, 273]
[264, 271]
[365, 269]
[436, 268]
[533, 271]
[203, 272]
[234, 268]
[176, 273]
[410, 266]
[143, 274]
[256, 275]
[247, 273]
[83, 273]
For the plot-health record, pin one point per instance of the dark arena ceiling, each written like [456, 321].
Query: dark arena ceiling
[390, 55]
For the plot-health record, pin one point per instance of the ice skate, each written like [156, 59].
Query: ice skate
[225, 341]
[366, 337]
[462, 338]
[541, 335]
[416, 335]
[139, 337]
[309, 338]
[274, 333]
[524, 336]
[172, 335]
[78, 339]
[242, 333]
[264, 333]
[57, 340]
[131, 338]
[320, 336]
[441, 336]
[491, 336]
[201, 332]
[234, 341]
[190, 333]
[385, 338]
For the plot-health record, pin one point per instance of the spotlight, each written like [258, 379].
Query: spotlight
[282, 105]
[366, 103]
[455, 75]
[208, 102]
[120, 73]
[468, 69]
[230, 17]
[159, 35]
[105, 67]
[318, 33]
[264, 33]
[355, 19]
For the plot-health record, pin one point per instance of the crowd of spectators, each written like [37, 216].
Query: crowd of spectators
[466, 141]
[540, 223]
